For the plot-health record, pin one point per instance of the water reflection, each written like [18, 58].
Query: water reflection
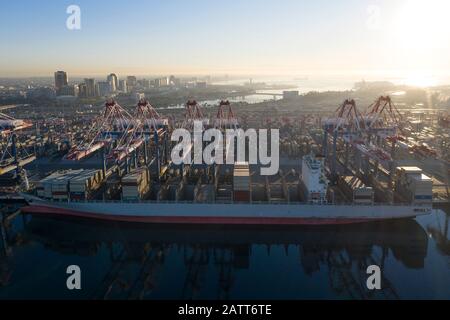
[137, 262]
[440, 232]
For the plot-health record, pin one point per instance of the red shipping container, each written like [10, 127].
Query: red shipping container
[241, 196]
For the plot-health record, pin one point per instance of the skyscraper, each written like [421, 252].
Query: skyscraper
[113, 81]
[123, 86]
[61, 79]
[161, 82]
[82, 90]
[72, 90]
[90, 88]
[131, 82]
[104, 88]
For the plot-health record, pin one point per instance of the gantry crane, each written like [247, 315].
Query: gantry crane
[194, 114]
[346, 123]
[145, 123]
[13, 156]
[382, 118]
[149, 124]
[225, 117]
[111, 126]
[120, 135]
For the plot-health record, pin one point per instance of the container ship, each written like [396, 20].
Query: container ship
[363, 184]
[68, 194]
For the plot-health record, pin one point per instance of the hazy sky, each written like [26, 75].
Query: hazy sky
[279, 37]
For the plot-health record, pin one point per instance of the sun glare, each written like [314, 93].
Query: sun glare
[421, 32]
[423, 21]
[422, 81]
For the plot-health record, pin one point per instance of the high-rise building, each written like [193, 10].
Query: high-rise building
[201, 84]
[123, 86]
[71, 90]
[113, 81]
[61, 79]
[144, 83]
[82, 90]
[91, 89]
[104, 88]
[173, 81]
[131, 82]
[177, 82]
[161, 82]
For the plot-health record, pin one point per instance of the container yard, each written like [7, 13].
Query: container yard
[383, 156]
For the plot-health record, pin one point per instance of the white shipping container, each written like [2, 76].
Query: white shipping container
[414, 185]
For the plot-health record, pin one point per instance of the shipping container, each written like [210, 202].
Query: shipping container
[241, 196]
[356, 190]
[136, 185]
[83, 185]
[56, 185]
[241, 182]
[414, 186]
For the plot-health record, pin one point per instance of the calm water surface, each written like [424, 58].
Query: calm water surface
[147, 262]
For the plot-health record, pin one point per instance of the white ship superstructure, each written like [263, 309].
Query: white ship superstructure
[314, 179]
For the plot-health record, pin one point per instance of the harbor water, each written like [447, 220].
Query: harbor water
[123, 261]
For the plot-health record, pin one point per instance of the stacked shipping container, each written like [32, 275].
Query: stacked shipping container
[356, 190]
[136, 185]
[241, 182]
[414, 186]
[44, 186]
[82, 186]
[71, 184]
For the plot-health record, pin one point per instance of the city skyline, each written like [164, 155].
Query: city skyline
[382, 38]
[90, 87]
